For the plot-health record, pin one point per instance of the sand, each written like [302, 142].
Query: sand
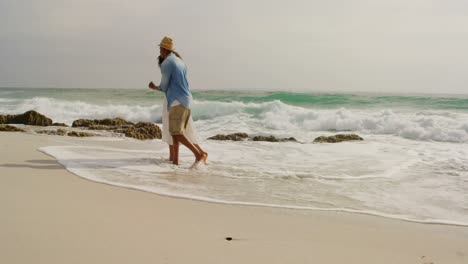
[49, 215]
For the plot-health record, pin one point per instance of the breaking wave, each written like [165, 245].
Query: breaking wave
[425, 125]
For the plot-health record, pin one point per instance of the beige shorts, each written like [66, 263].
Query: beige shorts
[178, 118]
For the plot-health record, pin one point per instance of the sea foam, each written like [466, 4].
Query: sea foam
[272, 117]
[383, 175]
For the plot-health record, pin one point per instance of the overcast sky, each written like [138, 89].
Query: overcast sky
[416, 46]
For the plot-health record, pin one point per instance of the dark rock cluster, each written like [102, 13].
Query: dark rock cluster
[60, 124]
[141, 130]
[31, 118]
[58, 132]
[338, 138]
[322, 139]
[63, 132]
[245, 136]
[273, 139]
[102, 124]
[233, 137]
[7, 128]
[80, 134]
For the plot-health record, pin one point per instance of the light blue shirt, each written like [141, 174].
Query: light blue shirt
[174, 81]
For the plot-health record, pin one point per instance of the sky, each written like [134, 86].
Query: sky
[391, 46]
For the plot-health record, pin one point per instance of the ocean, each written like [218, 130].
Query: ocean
[412, 164]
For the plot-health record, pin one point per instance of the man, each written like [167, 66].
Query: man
[175, 85]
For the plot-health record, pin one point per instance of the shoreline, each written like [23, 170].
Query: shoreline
[54, 216]
[273, 206]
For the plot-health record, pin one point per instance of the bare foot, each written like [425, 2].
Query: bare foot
[204, 157]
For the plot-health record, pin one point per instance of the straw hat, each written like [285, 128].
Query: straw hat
[167, 43]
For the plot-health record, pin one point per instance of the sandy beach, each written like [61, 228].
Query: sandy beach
[49, 215]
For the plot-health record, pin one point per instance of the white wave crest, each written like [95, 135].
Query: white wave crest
[276, 116]
[272, 117]
[425, 126]
[68, 111]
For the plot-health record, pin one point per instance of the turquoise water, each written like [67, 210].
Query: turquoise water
[310, 100]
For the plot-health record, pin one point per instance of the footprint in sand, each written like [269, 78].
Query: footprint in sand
[426, 260]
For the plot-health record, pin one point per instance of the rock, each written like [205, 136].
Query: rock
[273, 139]
[114, 122]
[288, 139]
[58, 132]
[233, 137]
[109, 128]
[60, 124]
[7, 128]
[31, 118]
[244, 136]
[241, 135]
[142, 131]
[338, 138]
[80, 134]
[83, 123]
[102, 127]
[264, 138]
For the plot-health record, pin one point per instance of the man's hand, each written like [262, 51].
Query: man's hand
[154, 87]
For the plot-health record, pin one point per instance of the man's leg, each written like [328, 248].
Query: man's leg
[178, 118]
[175, 149]
[182, 139]
[171, 152]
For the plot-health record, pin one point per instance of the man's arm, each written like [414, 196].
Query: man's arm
[166, 71]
